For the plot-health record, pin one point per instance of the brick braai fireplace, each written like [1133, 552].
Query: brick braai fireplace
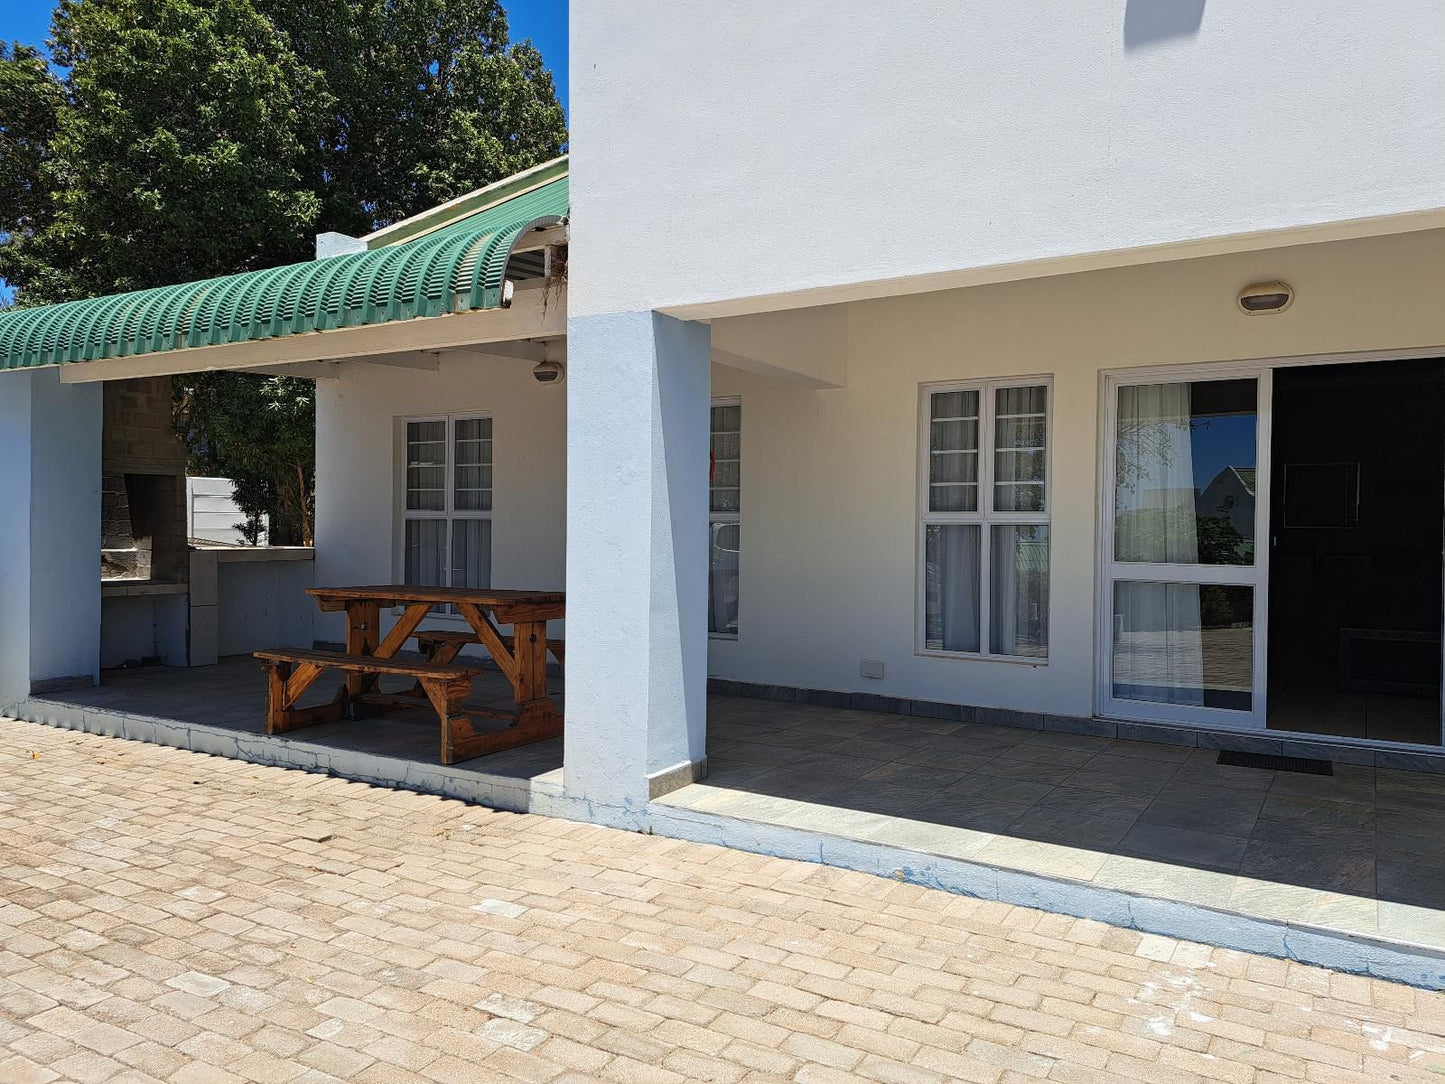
[143, 485]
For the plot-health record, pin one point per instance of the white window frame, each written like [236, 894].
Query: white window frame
[1255, 576]
[448, 511]
[716, 518]
[984, 517]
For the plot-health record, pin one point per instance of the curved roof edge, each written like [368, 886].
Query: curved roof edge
[456, 267]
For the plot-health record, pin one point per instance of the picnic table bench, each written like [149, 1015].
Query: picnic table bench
[440, 680]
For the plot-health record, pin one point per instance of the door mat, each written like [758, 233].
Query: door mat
[1276, 763]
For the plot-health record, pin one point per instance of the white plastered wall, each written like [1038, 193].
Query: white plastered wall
[357, 500]
[829, 522]
[821, 144]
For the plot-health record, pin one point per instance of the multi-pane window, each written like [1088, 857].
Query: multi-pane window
[724, 512]
[985, 519]
[447, 510]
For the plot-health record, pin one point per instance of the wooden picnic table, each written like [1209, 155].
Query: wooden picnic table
[521, 655]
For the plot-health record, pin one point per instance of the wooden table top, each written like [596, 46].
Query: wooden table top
[401, 593]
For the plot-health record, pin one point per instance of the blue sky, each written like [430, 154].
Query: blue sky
[544, 21]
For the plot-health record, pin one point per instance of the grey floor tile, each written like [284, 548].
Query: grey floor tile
[1354, 785]
[1114, 783]
[1318, 812]
[1199, 817]
[1182, 792]
[978, 814]
[1309, 865]
[983, 784]
[1072, 829]
[1032, 771]
[1424, 850]
[1223, 777]
[1411, 883]
[1030, 752]
[1201, 850]
[1093, 802]
[1176, 754]
[915, 775]
[1053, 739]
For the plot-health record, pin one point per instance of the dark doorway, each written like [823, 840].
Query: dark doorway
[1356, 503]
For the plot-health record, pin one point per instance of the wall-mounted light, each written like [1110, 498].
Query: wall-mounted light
[1265, 297]
[549, 372]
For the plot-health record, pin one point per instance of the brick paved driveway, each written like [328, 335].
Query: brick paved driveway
[170, 916]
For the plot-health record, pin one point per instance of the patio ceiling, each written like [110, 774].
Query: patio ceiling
[455, 269]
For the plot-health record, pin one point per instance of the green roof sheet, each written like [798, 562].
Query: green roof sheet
[457, 268]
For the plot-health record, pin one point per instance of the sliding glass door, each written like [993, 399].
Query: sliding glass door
[1182, 594]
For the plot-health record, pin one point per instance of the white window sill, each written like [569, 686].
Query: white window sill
[974, 656]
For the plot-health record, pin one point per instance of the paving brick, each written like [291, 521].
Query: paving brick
[271, 926]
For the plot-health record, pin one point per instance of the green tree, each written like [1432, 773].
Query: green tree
[185, 139]
[30, 101]
[261, 433]
[432, 101]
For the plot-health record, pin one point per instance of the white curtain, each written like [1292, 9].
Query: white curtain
[1019, 585]
[1158, 646]
[1154, 493]
[471, 553]
[952, 606]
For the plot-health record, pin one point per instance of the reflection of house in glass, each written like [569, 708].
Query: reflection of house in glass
[1230, 496]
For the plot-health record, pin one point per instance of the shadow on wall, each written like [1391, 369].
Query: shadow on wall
[1150, 22]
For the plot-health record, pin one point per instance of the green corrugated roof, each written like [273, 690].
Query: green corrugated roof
[456, 268]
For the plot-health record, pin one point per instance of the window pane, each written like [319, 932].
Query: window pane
[1019, 591]
[426, 457]
[1027, 402]
[1020, 456]
[726, 471]
[722, 582]
[1184, 473]
[471, 553]
[953, 451]
[953, 467]
[425, 544]
[472, 473]
[1184, 643]
[951, 575]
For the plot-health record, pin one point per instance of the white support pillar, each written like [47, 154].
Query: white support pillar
[49, 533]
[638, 388]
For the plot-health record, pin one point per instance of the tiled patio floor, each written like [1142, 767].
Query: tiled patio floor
[232, 696]
[1361, 852]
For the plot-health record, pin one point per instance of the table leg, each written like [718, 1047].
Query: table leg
[363, 633]
[529, 649]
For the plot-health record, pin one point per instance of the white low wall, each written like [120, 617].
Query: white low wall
[264, 604]
[248, 598]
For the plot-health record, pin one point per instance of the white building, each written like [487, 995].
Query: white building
[961, 309]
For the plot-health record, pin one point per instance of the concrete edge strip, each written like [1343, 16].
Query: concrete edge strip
[1414, 965]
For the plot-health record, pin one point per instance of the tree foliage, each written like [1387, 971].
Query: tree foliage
[261, 433]
[177, 140]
